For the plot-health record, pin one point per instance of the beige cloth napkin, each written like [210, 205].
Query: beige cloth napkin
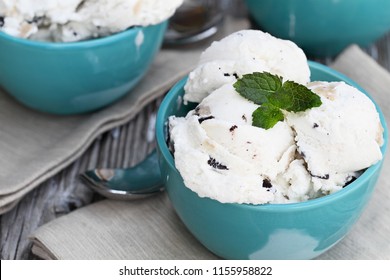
[35, 146]
[149, 229]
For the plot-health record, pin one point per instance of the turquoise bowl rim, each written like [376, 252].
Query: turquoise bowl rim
[367, 174]
[79, 44]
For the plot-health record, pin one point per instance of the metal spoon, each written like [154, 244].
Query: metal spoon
[136, 182]
[194, 21]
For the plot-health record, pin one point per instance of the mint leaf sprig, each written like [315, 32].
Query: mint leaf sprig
[273, 95]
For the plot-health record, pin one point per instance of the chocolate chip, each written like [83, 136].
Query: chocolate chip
[197, 109]
[74, 33]
[36, 19]
[325, 177]
[267, 184]
[215, 164]
[349, 180]
[1, 21]
[80, 5]
[202, 110]
[169, 141]
[315, 125]
[228, 75]
[244, 117]
[200, 120]
[233, 128]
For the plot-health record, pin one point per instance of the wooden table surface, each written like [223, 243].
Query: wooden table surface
[121, 147]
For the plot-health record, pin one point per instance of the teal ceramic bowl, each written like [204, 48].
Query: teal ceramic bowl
[325, 27]
[273, 231]
[72, 78]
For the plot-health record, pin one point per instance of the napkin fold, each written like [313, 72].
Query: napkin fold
[150, 229]
[141, 229]
[35, 146]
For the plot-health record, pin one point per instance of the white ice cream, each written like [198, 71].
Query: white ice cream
[220, 154]
[340, 137]
[75, 20]
[217, 144]
[244, 52]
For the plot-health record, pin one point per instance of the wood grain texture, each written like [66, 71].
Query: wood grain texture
[121, 147]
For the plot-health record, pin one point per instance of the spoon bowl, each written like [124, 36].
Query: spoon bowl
[194, 21]
[137, 182]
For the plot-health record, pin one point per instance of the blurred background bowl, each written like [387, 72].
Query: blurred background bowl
[323, 27]
[79, 77]
[271, 231]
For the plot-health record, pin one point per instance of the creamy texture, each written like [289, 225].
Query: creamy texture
[220, 155]
[244, 52]
[338, 138]
[75, 20]
[310, 154]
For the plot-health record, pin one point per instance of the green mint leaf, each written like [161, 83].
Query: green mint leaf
[257, 86]
[266, 116]
[294, 97]
[269, 91]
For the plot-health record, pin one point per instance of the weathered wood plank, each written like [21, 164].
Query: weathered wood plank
[121, 147]
[63, 193]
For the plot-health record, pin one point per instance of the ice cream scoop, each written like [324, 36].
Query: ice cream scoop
[222, 154]
[75, 20]
[216, 143]
[244, 52]
[301, 230]
[339, 138]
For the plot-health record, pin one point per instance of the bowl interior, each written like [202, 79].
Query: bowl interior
[173, 105]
